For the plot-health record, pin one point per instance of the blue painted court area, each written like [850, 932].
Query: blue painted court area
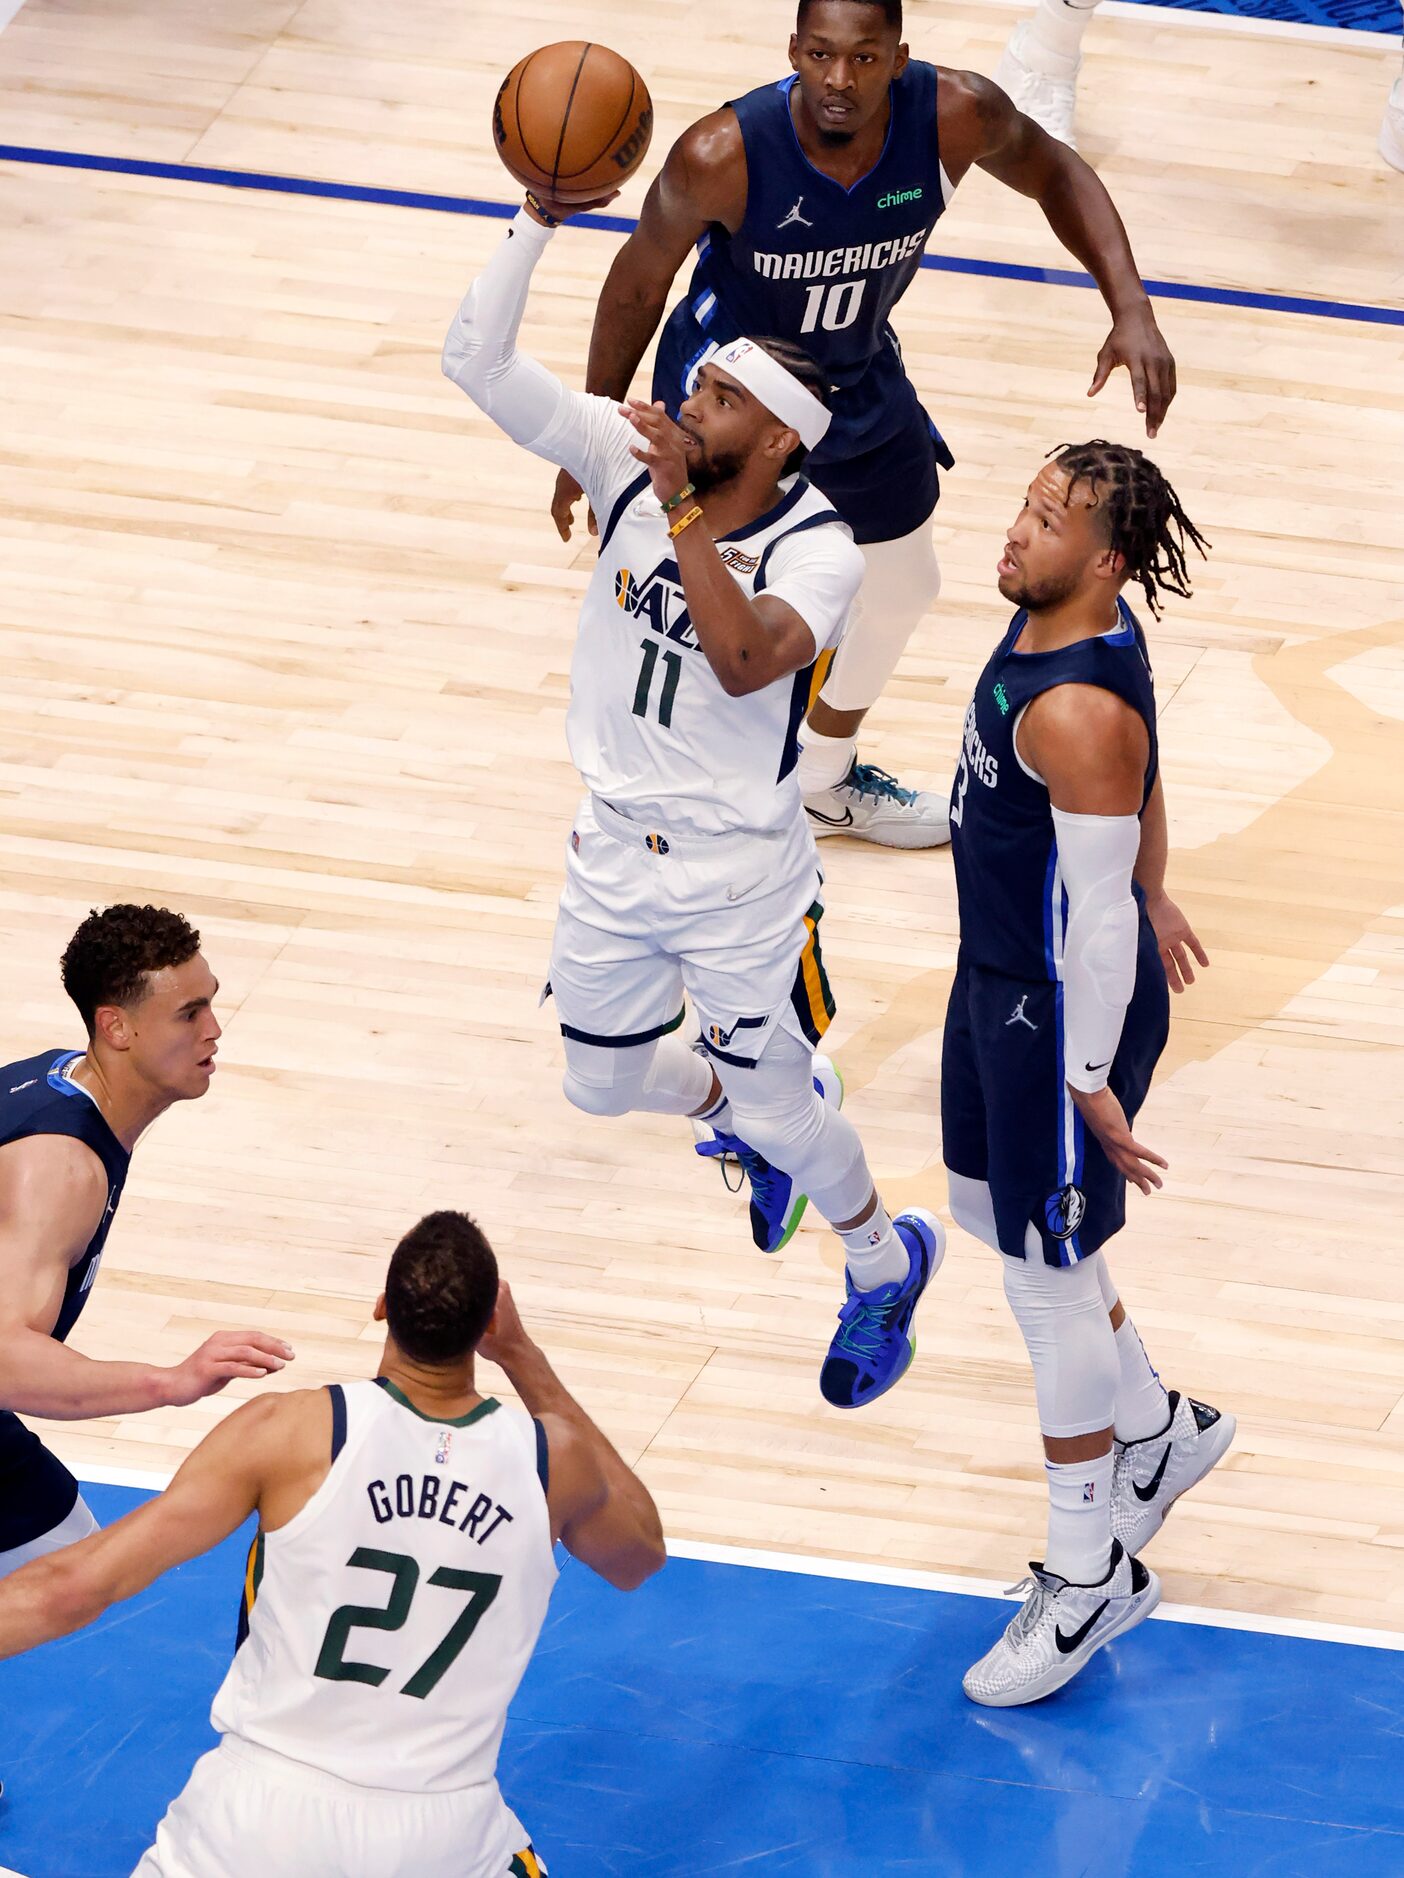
[732, 1720]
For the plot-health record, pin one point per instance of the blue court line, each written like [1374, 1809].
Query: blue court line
[624, 225]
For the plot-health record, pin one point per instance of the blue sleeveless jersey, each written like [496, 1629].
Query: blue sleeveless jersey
[822, 265]
[1013, 909]
[36, 1098]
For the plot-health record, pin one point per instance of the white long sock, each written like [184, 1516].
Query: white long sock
[1142, 1406]
[718, 1117]
[1079, 1519]
[824, 761]
[874, 1253]
[1058, 27]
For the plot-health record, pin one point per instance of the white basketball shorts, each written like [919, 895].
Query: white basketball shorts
[247, 1812]
[647, 914]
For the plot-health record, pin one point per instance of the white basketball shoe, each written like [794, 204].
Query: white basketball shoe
[874, 806]
[1042, 84]
[1060, 1627]
[1392, 128]
[1149, 1476]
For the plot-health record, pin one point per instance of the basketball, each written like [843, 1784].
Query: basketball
[572, 121]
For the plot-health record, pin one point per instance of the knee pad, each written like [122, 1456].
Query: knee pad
[602, 1080]
[1071, 1344]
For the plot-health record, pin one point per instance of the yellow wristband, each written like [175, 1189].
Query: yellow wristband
[686, 522]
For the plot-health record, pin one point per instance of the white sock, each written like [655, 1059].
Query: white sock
[1057, 32]
[824, 761]
[1142, 1406]
[718, 1118]
[875, 1254]
[1079, 1519]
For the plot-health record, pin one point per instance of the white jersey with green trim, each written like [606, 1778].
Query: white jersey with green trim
[651, 730]
[387, 1625]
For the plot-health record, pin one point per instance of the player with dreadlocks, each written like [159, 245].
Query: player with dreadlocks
[1058, 1014]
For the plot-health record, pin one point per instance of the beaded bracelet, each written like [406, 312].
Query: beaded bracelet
[692, 515]
[676, 501]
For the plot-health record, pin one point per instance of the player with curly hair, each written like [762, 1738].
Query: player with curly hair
[1058, 1014]
[69, 1120]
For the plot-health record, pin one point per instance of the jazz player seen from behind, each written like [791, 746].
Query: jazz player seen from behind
[1057, 1016]
[716, 596]
[394, 1593]
[69, 1120]
[810, 203]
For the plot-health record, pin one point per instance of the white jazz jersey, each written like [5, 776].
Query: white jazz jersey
[650, 728]
[390, 1621]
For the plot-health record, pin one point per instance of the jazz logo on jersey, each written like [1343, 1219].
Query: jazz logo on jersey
[656, 844]
[1065, 1211]
[658, 600]
[441, 1451]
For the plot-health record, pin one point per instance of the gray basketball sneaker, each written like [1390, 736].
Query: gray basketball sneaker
[1040, 83]
[874, 806]
[1149, 1476]
[1059, 1629]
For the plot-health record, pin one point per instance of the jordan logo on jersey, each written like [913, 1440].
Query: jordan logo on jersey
[658, 600]
[796, 214]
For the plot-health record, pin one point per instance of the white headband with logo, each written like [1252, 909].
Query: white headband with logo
[778, 390]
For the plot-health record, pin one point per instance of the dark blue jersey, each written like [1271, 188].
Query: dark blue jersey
[1013, 909]
[37, 1098]
[823, 265]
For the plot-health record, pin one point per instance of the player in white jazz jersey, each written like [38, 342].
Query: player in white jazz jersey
[723, 584]
[394, 1594]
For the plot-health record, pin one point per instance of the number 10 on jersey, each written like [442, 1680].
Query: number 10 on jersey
[832, 306]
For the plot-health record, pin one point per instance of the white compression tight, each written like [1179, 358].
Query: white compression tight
[901, 584]
[78, 1524]
[774, 1107]
[1062, 1311]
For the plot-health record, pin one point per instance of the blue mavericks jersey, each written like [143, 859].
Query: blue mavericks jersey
[1013, 908]
[36, 1098]
[822, 265]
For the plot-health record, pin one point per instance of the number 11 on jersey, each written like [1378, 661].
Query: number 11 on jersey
[672, 671]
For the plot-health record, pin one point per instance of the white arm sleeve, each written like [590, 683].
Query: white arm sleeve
[1096, 854]
[818, 573]
[585, 434]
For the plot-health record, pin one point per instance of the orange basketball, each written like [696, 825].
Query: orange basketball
[572, 121]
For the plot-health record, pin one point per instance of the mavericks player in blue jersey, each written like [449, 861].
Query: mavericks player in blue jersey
[1058, 1014]
[810, 203]
[69, 1120]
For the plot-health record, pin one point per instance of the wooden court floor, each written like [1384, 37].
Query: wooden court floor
[284, 632]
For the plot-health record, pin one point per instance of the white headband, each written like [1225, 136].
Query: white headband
[778, 390]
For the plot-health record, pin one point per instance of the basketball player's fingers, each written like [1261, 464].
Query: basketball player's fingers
[1185, 968]
[1106, 364]
[1148, 1157]
[1193, 942]
[259, 1342]
[1172, 968]
[1136, 365]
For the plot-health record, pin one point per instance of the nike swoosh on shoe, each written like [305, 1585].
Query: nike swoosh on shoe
[1152, 1486]
[1068, 1644]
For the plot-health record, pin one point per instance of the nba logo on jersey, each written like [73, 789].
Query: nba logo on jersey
[1089, 1492]
[441, 1452]
[655, 844]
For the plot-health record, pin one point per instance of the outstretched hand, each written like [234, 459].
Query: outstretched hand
[1136, 342]
[1106, 1118]
[1177, 939]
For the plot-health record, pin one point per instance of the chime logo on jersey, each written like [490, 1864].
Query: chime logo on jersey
[658, 600]
[1065, 1211]
[1001, 698]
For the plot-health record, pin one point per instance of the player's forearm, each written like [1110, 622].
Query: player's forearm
[480, 352]
[631, 305]
[50, 1597]
[733, 637]
[543, 1393]
[1153, 855]
[41, 1377]
[1084, 218]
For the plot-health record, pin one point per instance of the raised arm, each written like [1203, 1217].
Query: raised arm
[52, 1194]
[980, 125]
[600, 1510]
[702, 182]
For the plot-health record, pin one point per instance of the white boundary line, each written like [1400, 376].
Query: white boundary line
[854, 1571]
[1229, 23]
